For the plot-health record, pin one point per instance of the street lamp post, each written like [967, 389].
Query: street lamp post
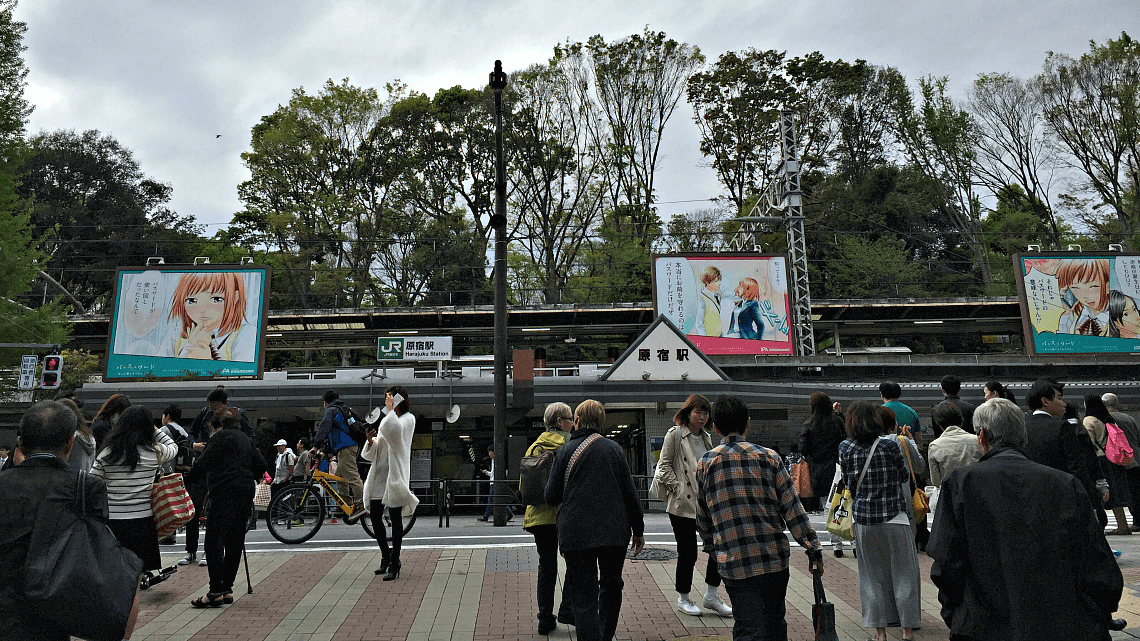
[498, 81]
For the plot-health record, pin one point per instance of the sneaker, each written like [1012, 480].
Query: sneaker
[717, 604]
[686, 605]
[354, 518]
[188, 559]
[202, 561]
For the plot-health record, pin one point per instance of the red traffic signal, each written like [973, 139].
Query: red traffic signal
[52, 372]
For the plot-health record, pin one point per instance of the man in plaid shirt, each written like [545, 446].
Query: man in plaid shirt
[745, 498]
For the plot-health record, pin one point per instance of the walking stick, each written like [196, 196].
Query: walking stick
[248, 583]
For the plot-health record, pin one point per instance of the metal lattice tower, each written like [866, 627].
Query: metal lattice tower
[782, 203]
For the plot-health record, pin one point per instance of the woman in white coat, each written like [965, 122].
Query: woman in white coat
[390, 450]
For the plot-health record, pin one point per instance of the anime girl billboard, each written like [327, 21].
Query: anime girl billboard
[1079, 303]
[726, 303]
[174, 322]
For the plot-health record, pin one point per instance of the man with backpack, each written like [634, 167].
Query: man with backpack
[335, 430]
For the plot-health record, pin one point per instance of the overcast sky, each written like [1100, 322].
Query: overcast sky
[165, 77]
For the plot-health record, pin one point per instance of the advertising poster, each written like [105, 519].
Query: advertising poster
[1079, 303]
[726, 303]
[188, 321]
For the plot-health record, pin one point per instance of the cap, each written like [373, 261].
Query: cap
[282, 442]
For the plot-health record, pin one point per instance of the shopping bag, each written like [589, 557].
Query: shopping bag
[822, 612]
[932, 497]
[839, 520]
[171, 504]
[801, 479]
[78, 579]
[261, 496]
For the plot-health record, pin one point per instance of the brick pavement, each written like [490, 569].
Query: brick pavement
[478, 594]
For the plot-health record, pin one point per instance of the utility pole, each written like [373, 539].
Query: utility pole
[498, 82]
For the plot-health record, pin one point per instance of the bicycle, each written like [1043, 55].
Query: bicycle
[298, 511]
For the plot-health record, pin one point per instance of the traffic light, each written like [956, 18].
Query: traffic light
[52, 373]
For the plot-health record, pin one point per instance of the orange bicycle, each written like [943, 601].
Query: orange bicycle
[298, 511]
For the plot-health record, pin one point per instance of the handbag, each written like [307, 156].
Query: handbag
[839, 519]
[657, 489]
[822, 612]
[801, 479]
[261, 495]
[920, 502]
[171, 504]
[78, 578]
[1117, 450]
[587, 442]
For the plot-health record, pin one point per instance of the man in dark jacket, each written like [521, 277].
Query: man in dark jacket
[951, 386]
[590, 479]
[42, 481]
[334, 429]
[994, 581]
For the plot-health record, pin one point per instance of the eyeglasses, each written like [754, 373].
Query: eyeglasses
[565, 418]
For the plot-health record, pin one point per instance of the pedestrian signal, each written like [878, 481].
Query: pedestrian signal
[52, 373]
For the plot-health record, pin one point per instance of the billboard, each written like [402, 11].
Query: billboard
[726, 303]
[203, 321]
[1079, 302]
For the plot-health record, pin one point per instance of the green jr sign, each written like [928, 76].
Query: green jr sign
[389, 349]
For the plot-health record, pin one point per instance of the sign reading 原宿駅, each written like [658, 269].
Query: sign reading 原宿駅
[414, 348]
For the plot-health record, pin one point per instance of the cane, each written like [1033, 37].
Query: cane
[248, 583]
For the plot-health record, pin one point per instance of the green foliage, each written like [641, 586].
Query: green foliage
[79, 365]
[616, 267]
[865, 268]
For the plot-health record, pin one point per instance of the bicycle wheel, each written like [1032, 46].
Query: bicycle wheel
[366, 523]
[296, 514]
[407, 521]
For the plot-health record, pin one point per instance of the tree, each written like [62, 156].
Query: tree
[1092, 107]
[939, 139]
[636, 83]
[557, 194]
[863, 117]
[323, 193]
[1013, 145]
[97, 211]
[20, 259]
[702, 230]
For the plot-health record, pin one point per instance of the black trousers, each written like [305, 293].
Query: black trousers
[376, 513]
[228, 513]
[758, 607]
[593, 579]
[685, 531]
[546, 540]
[197, 493]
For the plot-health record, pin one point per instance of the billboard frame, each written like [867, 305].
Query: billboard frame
[714, 255]
[261, 324]
[1023, 298]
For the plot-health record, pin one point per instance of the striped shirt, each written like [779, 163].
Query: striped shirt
[128, 491]
[744, 500]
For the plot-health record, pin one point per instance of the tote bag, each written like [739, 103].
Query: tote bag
[171, 504]
[840, 522]
[801, 479]
[78, 578]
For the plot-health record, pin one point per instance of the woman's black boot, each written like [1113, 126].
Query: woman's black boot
[393, 570]
[385, 563]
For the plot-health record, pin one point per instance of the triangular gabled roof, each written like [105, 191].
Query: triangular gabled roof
[684, 360]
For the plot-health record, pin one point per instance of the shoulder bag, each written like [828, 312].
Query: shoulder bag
[840, 522]
[587, 442]
[657, 489]
[920, 501]
[171, 504]
[78, 578]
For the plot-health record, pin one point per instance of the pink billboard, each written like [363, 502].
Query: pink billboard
[726, 303]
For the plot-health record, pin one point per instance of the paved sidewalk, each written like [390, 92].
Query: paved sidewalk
[485, 594]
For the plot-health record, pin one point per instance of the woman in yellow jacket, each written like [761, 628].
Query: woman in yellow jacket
[541, 521]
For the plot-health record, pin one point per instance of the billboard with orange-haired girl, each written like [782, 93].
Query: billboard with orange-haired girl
[1079, 303]
[726, 303]
[177, 322]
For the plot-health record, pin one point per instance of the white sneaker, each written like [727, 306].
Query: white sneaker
[686, 606]
[202, 561]
[188, 559]
[717, 604]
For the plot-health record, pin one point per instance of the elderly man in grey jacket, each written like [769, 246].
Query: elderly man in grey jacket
[1132, 471]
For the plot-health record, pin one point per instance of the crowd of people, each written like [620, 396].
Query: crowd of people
[1053, 472]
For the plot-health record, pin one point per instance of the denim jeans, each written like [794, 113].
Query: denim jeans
[758, 607]
[491, 504]
[593, 579]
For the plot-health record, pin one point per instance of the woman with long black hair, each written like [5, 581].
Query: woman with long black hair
[134, 451]
[231, 466]
[389, 447]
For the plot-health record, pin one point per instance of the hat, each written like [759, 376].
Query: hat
[282, 442]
